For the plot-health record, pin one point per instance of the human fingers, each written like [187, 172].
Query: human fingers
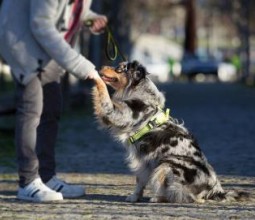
[99, 24]
[93, 75]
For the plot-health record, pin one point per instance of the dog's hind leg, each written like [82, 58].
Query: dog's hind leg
[167, 187]
[161, 178]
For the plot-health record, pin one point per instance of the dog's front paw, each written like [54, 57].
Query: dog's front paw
[158, 199]
[132, 198]
[200, 201]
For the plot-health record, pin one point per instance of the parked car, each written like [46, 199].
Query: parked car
[193, 64]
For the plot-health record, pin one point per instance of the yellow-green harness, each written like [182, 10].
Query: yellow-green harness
[158, 119]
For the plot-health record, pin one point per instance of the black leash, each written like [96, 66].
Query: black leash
[112, 49]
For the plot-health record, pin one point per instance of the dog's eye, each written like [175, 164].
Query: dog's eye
[118, 70]
[121, 69]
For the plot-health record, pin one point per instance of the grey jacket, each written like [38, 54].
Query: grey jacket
[30, 36]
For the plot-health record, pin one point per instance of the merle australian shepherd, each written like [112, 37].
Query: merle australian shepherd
[160, 149]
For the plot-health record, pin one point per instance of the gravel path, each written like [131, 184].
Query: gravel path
[221, 116]
[105, 199]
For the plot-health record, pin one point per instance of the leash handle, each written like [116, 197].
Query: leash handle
[112, 48]
[112, 45]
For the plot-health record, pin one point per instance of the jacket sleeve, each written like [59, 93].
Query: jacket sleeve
[87, 12]
[42, 24]
[89, 15]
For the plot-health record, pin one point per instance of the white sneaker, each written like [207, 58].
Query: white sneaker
[67, 190]
[36, 191]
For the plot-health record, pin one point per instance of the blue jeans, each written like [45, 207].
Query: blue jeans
[38, 111]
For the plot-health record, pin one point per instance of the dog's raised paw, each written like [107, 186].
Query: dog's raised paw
[132, 198]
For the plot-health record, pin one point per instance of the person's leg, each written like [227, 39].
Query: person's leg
[48, 127]
[47, 133]
[29, 108]
[36, 129]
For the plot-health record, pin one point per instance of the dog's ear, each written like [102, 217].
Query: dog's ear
[133, 65]
[139, 73]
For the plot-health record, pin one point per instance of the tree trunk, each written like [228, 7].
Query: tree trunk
[190, 41]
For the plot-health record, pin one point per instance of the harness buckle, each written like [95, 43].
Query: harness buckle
[153, 123]
[156, 121]
[131, 140]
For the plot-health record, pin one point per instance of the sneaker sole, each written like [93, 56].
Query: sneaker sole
[71, 196]
[31, 199]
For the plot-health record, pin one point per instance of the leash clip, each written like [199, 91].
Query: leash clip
[89, 23]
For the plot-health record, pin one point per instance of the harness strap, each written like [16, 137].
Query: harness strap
[158, 119]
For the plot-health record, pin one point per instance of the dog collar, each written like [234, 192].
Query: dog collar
[158, 119]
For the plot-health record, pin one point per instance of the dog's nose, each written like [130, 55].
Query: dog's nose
[105, 68]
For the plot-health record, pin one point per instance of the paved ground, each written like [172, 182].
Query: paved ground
[105, 199]
[221, 116]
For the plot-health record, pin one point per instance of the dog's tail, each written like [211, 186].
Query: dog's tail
[218, 194]
[239, 196]
[231, 196]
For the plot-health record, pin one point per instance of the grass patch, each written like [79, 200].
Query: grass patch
[7, 149]
[6, 85]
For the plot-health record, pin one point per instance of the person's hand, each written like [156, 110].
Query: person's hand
[99, 24]
[93, 75]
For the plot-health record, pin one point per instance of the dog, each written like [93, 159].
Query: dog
[160, 149]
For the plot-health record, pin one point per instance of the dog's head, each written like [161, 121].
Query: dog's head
[125, 74]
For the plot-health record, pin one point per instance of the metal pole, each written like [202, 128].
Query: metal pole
[247, 39]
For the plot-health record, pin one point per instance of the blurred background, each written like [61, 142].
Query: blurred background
[181, 43]
[184, 39]
[177, 40]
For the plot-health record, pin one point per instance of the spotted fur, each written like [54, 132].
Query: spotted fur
[168, 156]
